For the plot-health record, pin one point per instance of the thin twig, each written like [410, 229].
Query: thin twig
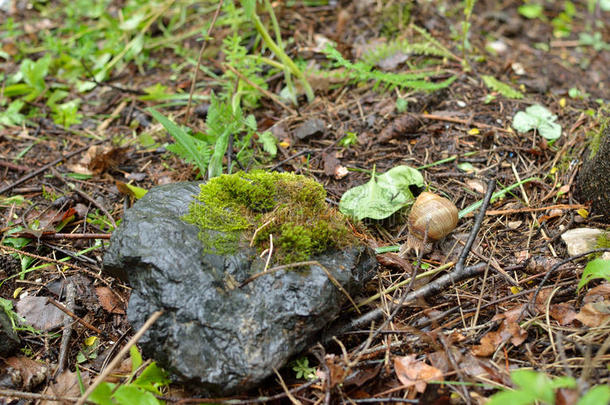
[205, 42]
[553, 270]
[267, 93]
[430, 288]
[47, 166]
[70, 313]
[83, 194]
[461, 121]
[491, 185]
[67, 332]
[115, 362]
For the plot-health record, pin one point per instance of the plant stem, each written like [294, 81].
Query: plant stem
[282, 55]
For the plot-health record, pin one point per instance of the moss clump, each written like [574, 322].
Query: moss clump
[231, 208]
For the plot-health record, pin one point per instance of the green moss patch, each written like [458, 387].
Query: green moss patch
[232, 210]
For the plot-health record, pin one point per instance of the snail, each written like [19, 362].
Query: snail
[438, 214]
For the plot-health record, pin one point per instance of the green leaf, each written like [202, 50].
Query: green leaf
[35, 72]
[531, 10]
[102, 394]
[184, 139]
[220, 148]
[12, 116]
[595, 396]
[130, 394]
[138, 192]
[598, 268]
[539, 118]
[269, 142]
[136, 358]
[249, 7]
[535, 384]
[511, 398]
[151, 378]
[383, 195]
[502, 88]
[563, 382]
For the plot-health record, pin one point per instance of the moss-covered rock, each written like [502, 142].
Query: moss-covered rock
[257, 207]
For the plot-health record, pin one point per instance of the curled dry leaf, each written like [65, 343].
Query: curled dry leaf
[412, 372]
[563, 313]
[109, 301]
[595, 314]
[509, 329]
[98, 159]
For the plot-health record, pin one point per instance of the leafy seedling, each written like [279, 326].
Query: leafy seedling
[301, 367]
[531, 387]
[598, 268]
[383, 195]
[502, 88]
[539, 118]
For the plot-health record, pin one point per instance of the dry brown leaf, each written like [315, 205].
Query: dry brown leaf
[109, 301]
[98, 159]
[27, 372]
[509, 329]
[65, 385]
[412, 372]
[598, 294]
[563, 313]
[595, 314]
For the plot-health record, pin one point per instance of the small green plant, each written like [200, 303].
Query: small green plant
[288, 65]
[468, 6]
[302, 369]
[539, 118]
[364, 72]
[349, 139]
[223, 122]
[142, 386]
[495, 85]
[534, 387]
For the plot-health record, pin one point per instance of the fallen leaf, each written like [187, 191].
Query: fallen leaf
[65, 385]
[27, 372]
[412, 372]
[109, 301]
[597, 294]
[38, 313]
[98, 159]
[595, 314]
[508, 329]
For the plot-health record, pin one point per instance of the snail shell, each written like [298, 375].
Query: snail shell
[434, 211]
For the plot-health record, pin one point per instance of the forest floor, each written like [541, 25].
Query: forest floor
[77, 79]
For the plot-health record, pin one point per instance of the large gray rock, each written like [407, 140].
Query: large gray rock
[221, 337]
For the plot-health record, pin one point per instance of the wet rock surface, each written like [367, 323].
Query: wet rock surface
[213, 333]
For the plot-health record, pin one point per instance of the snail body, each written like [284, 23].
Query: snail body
[436, 213]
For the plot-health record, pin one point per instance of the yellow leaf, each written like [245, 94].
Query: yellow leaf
[515, 290]
[553, 170]
[284, 144]
[583, 212]
[563, 102]
[90, 341]
[474, 131]
[17, 292]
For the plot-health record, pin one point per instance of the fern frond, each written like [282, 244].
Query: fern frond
[363, 72]
[430, 39]
[502, 88]
[417, 48]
